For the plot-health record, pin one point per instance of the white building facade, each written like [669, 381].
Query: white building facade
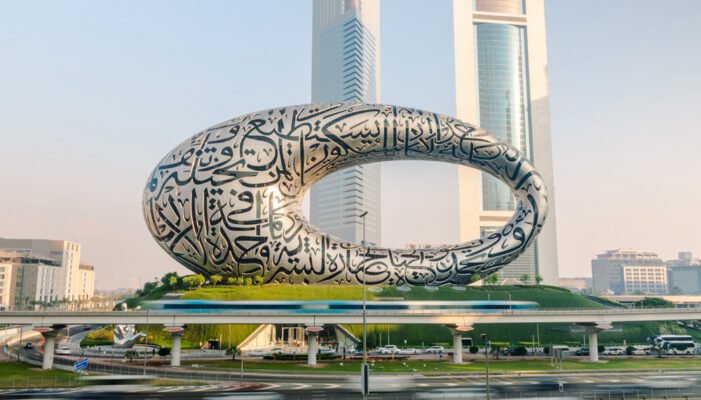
[502, 85]
[346, 68]
[49, 270]
[629, 272]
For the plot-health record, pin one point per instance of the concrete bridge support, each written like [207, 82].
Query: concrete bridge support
[312, 348]
[176, 336]
[457, 348]
[592, 331]
[49, 335]
[457, 331]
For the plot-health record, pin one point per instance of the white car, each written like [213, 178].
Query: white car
[410, 350]
[614, 351]
[435, 350]
[63, 350]
[389, 349]
[263, 353]
[641, 350]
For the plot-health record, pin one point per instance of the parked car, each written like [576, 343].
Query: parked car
[584, 351]
[436, 350]
[29, 345]
[63, 350]
[614, 351]
[410, 350]
[641, 350]
[389, 349]
[263, 353]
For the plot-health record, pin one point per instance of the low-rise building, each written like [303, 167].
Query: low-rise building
[628, 271]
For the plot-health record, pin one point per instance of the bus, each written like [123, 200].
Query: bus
[679, 348]
[659, 340]
[674, 344]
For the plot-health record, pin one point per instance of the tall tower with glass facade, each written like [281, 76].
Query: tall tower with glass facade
[501, 83]
[346, 68]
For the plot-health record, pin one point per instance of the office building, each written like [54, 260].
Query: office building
[629, 272]
[7, 287]
[684, 274]
[47, 270]
[502, 85]
[346, 68]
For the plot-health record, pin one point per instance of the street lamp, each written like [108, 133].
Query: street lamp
[364, 371]
[486, 358]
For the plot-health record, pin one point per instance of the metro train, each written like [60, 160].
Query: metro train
[335, 306]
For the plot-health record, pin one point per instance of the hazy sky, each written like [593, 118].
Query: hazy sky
[93, 94]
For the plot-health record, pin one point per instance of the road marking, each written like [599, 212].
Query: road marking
[170, 389]
[271, 386]
[332, 385]
[301, 386]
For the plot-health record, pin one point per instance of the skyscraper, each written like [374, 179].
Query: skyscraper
[346, 68]
[502, 85]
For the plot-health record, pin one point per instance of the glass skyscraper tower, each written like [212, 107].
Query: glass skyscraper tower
[502, 85]
[346, 68]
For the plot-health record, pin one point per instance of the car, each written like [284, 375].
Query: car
[584, 351]
[409, 350]
[389, 349]
[63, 350]
[614, 351]
[263, 353]
[29, 345]
[641, 350]
[435, 350]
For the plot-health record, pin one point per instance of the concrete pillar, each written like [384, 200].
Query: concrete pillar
[49, 344]
[592, 331]
[592, 336]
[457, 348]
[175, 349]
[176, 336]
[311, 348]
[457, 331]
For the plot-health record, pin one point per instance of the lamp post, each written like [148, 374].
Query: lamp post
[364, 371]
[486, 358]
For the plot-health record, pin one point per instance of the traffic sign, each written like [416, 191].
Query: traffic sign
[80, 365]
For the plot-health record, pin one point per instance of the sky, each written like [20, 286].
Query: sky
[94, 94]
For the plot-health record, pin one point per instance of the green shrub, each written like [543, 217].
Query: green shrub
[519, 351]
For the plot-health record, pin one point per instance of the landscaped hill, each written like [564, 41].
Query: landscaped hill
[417, 335]
[545, 296]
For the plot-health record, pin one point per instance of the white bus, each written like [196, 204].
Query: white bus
[679, 348]
[674, 344]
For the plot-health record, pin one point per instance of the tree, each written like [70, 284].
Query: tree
[474, 278]
[474, 349]
[538, 279]
[215, 279]
[524, 278]
[258, 279]
[630, 350]
[492, 279]
[231, 280]
[239, 280]
[198, 280]
[248, 282]
[170, 280]
[654, 302]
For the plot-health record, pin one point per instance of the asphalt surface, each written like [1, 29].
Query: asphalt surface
[677, 385]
